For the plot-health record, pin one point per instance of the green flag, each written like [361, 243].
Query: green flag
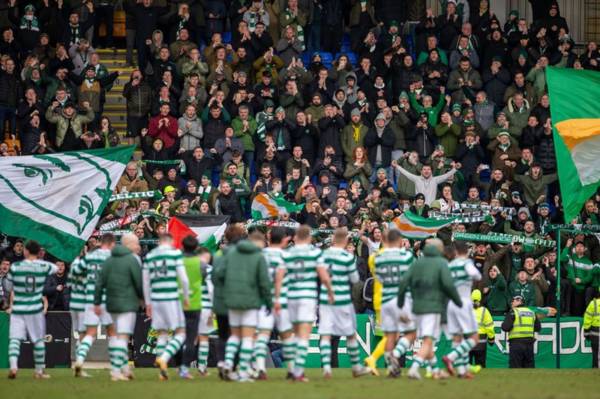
[58, 198]
[575, 110]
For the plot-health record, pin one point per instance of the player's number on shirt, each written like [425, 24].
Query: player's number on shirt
[298, 270]
[30, 283]
[160, 270]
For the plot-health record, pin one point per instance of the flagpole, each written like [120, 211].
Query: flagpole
[558, 298]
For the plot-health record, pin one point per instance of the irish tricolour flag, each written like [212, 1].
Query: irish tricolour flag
[265, 206]
[57, 198]
[575, 107]
[417, 227]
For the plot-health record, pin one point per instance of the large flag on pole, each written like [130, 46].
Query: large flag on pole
[57, 198]
[265, 206]
[416, 227]
[575, 108]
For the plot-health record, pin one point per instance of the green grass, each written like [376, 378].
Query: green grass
[492, 384]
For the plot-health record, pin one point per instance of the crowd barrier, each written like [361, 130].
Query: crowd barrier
[575, 352]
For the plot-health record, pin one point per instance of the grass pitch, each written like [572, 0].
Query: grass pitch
[497, 384]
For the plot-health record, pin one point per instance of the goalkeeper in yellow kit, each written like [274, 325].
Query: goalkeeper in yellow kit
[379, 350]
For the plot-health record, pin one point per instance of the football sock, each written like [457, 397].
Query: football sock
[84, 348]
[14, 350]
[231, 349]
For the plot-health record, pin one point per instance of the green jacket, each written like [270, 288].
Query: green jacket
[448, 137]
[62, 123]
[246, 136]
[406, 187]
[348, 142]
[430, 283]
[218, 307]
[497, 298]
[432, 112]
[534, 188]
[121, 280]
[527, 291]
[242, 276]
[582, 268]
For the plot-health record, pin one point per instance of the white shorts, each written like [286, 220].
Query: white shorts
[461, 320]
[92, 320]
[282, 321]
[167, 315]
[302, 310]
[78, 320]
[124, 323]
[428, 325]
[206, 326]
[392, 317]
[23, 326]
[243, 318]
[337, 320]
[266, 319]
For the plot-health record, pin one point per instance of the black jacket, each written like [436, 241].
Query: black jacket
[57, 300]
[230, 205]
[196, 168]
[330, 129]
[10, 89]
[386, 141]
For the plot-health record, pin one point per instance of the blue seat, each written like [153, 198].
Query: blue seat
[326, 59]
[226, 37]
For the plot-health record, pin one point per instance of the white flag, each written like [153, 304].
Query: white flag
[57, 199]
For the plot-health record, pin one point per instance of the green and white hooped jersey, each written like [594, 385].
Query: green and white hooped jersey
[162, 264]
[274, 262]
[390, 266]
[91, 268]
[341, 266]
[300, 263]
[28, 279]
[463, 273]
[76, 287]
[207, 291]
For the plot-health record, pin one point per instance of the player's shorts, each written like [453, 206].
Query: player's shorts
[302, 310]
[23, 326]
[266, 319]
[243, 318]
[392, 317]
[282, 321]
[167, 315]
[206, 325]
[428, 325]
[461, 320]
[92, 320]
[124, 323]
[78, 320]
[337, 320]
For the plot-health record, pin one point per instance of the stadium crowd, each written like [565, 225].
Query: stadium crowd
[339, 105]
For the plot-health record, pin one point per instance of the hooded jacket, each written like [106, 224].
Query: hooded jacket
[242, 278]
[121, 279]
[430, 284]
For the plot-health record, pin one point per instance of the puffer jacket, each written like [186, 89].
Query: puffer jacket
[62, 123]
[430, 283]
[242, 277]
[139, 99]
[191, 132]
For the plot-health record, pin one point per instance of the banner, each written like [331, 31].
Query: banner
[575, 351]
[58, 342]
[156, 195]
[499, 238]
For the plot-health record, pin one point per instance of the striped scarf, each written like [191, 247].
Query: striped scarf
[291, 20]
[261, 124]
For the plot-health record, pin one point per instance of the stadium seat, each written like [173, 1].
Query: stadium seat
[226, 37]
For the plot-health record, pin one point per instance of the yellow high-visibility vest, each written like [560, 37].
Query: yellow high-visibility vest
[524, 324]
